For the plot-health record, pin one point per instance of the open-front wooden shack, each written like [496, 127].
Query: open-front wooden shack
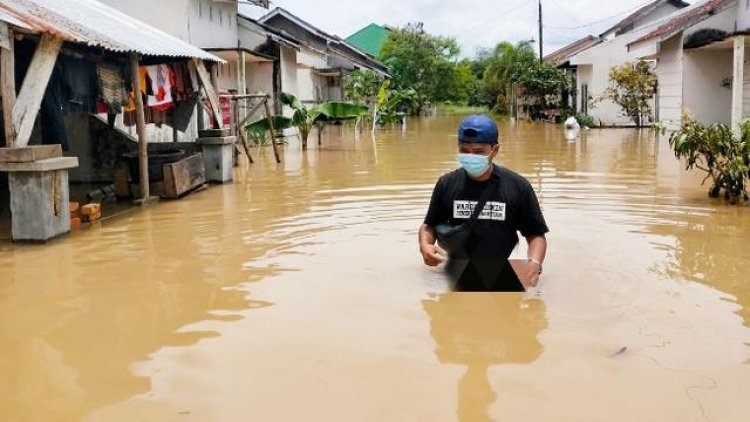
[44, 33]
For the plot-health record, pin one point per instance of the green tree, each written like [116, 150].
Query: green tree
[420, 61]
[540, 82]
[632, 86]
[362, 85]
[501, 69]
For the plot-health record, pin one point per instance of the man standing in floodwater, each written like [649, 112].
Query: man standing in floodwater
[490, 235]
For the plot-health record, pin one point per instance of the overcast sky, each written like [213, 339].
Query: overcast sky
[474, 23]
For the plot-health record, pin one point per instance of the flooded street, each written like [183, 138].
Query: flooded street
[298, 293]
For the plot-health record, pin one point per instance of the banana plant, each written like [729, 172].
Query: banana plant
[305, 118]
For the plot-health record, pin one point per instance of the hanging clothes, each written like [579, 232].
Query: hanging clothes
[80, 79]
[161, 87]
[112, 86]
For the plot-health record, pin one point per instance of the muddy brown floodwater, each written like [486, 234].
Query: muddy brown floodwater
[297, 293]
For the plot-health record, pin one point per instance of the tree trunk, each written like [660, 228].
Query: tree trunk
[304, 134]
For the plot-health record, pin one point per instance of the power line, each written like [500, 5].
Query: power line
[505, 14]
[560, 6]
[565, 28]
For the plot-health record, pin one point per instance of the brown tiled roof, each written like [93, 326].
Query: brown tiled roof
[685, 20]
[642, 13]
[562, 55]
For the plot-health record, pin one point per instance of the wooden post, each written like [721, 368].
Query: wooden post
[8, 81]
[140, 122]
[29, 98]
[211, 92]
[271, 130]
[738, 83]
[242, 82]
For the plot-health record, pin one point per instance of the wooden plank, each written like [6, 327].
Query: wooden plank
[122, 190]
[213, 97]
[272, 131]
[30, 97]
[30, 154]
[8, 83]
[140, 122]
[183, 176]
[6, 34]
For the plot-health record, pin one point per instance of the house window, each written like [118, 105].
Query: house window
[585, 99]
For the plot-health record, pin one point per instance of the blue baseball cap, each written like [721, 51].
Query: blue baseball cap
[478, 129]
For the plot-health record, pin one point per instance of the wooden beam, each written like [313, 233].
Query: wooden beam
[271, 130]
[213, 98]
[29, 99]
[140, 123]
[8, 82]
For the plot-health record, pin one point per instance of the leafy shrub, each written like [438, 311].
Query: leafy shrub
[585, 120]
[716, 150]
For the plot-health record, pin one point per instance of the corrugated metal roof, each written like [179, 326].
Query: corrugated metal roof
[98, 25]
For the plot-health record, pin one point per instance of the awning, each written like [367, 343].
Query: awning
[98, 25]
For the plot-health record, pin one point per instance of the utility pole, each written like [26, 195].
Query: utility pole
[541, 34]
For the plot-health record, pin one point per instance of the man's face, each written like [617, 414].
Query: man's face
[479, 149]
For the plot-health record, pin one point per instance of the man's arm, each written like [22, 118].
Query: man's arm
[432, 254]
[536, 253]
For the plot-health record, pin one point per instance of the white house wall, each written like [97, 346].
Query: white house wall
[669, 72]
[213, 24]
[260, 77]
[312, 58]
[704, 95]
[170, 16]
[602, 57]
[661, 12]
[306, 85]
[724, 20]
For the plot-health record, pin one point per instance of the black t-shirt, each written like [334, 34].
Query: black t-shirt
[512, 207]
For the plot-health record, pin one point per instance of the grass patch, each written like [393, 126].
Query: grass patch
[460, 109]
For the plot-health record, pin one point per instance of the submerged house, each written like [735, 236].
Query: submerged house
[592, 63]
[70, 69]
[216, 26]
[702, 62]
[322, 61]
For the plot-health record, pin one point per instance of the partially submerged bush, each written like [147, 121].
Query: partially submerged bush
[585, 120]
[716, 150]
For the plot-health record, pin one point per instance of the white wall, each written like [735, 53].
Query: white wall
[703, 95]
[602, 58]
[306, 84]
[669, 72]
[661, 12]
[724, 20]
[743, 15]
[260, 77]
[170, 16]
[213, 24]
[228, 75]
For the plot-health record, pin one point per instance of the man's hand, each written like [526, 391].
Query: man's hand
[530, 275]
[433, 255]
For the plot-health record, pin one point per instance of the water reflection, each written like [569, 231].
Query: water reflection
[480, 331]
